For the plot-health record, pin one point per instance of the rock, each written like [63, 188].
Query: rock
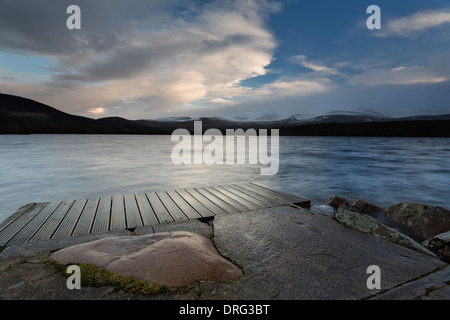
[440, 245]
[336, 201]
[419, 221]
[365, 223]
[289, 254]
[366, 207]
[171, 258]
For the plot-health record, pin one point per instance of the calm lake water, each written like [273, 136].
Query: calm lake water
[384, 171]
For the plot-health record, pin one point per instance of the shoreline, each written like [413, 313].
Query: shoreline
[271, 258]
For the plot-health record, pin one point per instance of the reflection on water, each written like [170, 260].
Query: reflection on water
[383, 171]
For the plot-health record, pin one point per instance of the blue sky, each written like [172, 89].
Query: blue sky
[245, 59]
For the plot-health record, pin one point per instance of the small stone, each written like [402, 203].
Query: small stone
[18, 285]
[336, 201]
[366, 207]
[440, 245]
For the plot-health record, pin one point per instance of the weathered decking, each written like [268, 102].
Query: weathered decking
[51, 220]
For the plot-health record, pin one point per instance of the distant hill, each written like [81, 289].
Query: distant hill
[371, 126]
[24, 116]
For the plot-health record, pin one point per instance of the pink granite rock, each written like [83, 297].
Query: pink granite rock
[172, 258]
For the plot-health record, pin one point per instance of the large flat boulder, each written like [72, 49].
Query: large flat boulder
[290, 254]
[170, 258]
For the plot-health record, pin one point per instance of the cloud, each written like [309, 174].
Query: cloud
[221, 101]
[159, 54]
[97, 111]
[411, 75]
[295, 87]
[146, 59]
[302, 61]
[6, 77]
[414, 24]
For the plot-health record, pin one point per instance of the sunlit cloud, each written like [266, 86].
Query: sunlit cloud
[159, 64]
[414, 24]
[221, 101]
[97, 111]
[295, 87]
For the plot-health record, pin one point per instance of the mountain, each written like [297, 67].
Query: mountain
[24, 116]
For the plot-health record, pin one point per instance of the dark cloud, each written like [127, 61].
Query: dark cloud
[35, 27]
[211, 46]
[39, 27]
[121, 64]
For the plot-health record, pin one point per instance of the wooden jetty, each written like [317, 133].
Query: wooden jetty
[61, 219]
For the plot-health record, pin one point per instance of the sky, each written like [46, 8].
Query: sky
[239, 59]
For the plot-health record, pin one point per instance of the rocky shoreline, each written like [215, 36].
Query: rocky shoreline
[280, 253]
[418, 226]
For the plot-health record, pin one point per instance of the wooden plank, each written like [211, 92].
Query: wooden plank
[34, 225]
[146, 210]
[257, 203]
[188, 210]
[5, 223]
[194, 203]
[266, 197]
[231, 201]
[70, 220]
[102, 217]
[17, 226]
[86, 220]
[132, 212]
[171, 206]
[267, 193]
[239, 198]
[49, 227]
[215, 210]
[266, 200]
[217, 201]
[293, 198]
[160, 210]
[83, 216]
[118, 221]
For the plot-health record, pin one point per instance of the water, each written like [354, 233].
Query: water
[384, 171]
